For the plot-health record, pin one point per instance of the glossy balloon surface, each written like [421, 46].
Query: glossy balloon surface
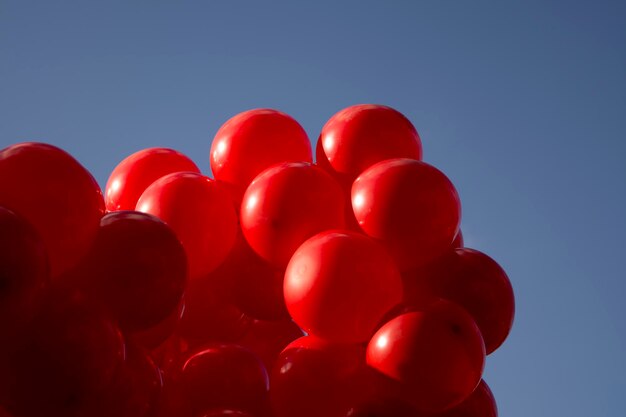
[286, 205]
[436, 355]
[339, 285]
[134, 174]
[410, 206]
[199, 211]
[254, 140]
[137, 268]
[56, 195]
[357, 137]
[474, 281]
[480, 404]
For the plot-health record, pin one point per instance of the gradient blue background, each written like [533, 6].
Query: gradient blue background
[523, 106]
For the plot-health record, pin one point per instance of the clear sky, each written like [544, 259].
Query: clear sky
[522, 105]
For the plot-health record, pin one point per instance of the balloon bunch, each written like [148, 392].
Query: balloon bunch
[280, 288]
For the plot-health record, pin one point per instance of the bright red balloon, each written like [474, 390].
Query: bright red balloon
[69, 354]
[224, 376]
[435, 356]
[133, 175]
[480, 404]
[340, 284]
[254, 140]
[137, 269]
[24, 272]
[357, 137]
[472, 280]
[57, 195]
[410, 206]
[286, 205]
[313, 378]
[200, 212]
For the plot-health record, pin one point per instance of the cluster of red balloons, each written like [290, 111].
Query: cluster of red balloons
[280, 288]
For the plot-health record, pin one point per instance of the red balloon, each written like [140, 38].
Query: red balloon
[135, 389]
[474, 281]
[480, 404]
[69, 354]
[359, 136]
[53, 192]
[226, 412]
[133, 175]
[153, 337]
[410, 206]
[286, 205]
[436, 356]
[254, 140]
[251, 283]
[344, 181]
[268, 338]
[315, 378]
[458, 241]
[339, 285]
[209, 316]
[137, 269]
[24, 272]
[224, 376]
[199, 211]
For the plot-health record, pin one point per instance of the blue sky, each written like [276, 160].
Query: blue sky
[522, 105]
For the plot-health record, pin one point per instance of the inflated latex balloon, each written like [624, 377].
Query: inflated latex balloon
[133, 175]
[435, 356]
[56, 195]
[480, 404]
[268, 338]
[201, 214]
[314, 378]
[410, 206]
[474, 281]
[69, 353]
[359, 136]
[458, 241]
[340, 284]
[226, 412]
[153, 337]
[24, 272]
[224, 376]
[287, 204]
[254, 140]
[137, 268]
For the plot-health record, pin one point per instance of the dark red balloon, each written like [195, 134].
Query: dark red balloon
[480, 404]
[268, 338]
[435, 356]
[133, 175]
[200, 212]
[135, 389]
[57, 195]
[254, 140]
[474, 281]
[357, 137]
[458, 241]
[226, 412]
[224, 376]
[68, 355]
[251, 283]
[209, 316]
[137, 269]
[153, 337]
[286, 205]
[340, 284]
[410, 206]
[313, 378]
[24, 272]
